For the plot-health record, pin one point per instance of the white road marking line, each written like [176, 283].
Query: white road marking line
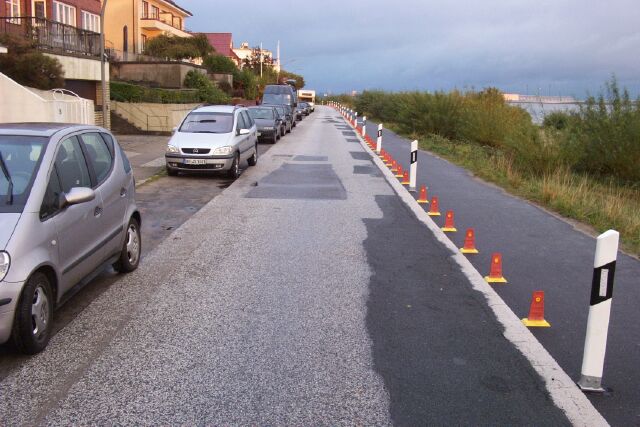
[155, 163]
[563, 390]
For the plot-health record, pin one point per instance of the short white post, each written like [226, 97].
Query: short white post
[364, 126]
[413, 168]
[379, 140]
[595, 343]
[355, 119]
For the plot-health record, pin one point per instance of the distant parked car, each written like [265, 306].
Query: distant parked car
[299, 112]
[68, 211]
[268, 121]
[287, 118]
[280, 94]
[291, 113]
[214, 138]
[306, 108]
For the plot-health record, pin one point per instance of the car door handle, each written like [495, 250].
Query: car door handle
[123, 192]
[97, 211]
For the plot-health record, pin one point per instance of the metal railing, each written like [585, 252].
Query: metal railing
[51, 35]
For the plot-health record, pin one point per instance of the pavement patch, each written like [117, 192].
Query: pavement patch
[366, 170]
[300, 181]
[310, 159]
[360, 155]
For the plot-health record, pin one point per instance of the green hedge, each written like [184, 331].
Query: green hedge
[127, 92]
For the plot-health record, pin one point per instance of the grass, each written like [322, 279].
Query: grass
[601, 205]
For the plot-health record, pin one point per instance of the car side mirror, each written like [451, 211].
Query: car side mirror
[244, 132]
[77, 195]
[174, 130]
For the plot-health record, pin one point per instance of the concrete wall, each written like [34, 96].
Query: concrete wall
[162, 74]
[21, 104]
[78, 68]
[222, 78]
[152, 117]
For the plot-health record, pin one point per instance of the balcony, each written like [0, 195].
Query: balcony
[162, 24]
[52, 36]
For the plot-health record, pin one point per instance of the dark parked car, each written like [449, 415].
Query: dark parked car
[280, 95]
[268, 121]
[306, 108]
[287, 118]
[299, 112]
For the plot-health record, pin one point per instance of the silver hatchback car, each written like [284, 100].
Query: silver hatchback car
[67, 211]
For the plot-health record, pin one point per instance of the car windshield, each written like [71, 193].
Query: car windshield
[208, 122]
[276, 99]
[261, 113]
[21, 156]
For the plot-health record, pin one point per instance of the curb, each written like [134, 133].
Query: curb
[561, 388]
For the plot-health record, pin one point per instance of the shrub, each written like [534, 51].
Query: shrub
[247, 82]
[29, 67]
[219, 64]
[178, 48]
[557, 120]
[126, 92]
[207, 91]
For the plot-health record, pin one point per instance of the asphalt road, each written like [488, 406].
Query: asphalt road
[541, 252]
[165, 204]
[304, 293]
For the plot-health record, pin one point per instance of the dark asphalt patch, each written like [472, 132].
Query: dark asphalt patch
[310, 158]
[348, 133]
[360, 155]
[366, 170]
[300, 181]
[353, 140]
[435, 342]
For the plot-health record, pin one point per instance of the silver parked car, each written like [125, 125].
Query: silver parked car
[67, 211]
[213, 138]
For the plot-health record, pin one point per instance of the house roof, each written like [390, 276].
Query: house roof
[222, 43]
[174, 4]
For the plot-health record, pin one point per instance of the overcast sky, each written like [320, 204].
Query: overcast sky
[568, 47]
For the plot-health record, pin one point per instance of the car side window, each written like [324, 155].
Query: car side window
[71, 165]
[98, 155]
[51, 201]
[248, 120]
[241, 122]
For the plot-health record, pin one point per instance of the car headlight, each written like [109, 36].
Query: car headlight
[223, 150]
[5, 262]
[172, 149]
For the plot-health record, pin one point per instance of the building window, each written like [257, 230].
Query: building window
[143, 43]
[13, 8]
[40, 9]
[64, 13]
[155, 12]
[177, 22]
[145, 10]
[90, 22]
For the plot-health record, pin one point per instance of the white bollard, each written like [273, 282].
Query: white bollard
[379, 140]
[595, 344]
[364, 126]
[355, 119]
[413, 168]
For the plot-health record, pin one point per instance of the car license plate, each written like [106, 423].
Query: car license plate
[195, 161]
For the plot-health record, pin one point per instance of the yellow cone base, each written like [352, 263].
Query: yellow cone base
[433, 213]
[394, 170]
[495, 279]
[399, 176]
[405, 183]
[469, 251]
[536, 323]
[449, 229]
[423, 202]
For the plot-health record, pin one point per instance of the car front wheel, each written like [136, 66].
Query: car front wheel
[131, 249]
[34, 315]
[234, 172]
[253, 160]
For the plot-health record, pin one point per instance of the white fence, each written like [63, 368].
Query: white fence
[22, 104]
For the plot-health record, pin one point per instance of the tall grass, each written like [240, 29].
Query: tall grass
[584, 165]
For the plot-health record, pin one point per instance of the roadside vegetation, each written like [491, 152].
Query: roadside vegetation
[583, 165]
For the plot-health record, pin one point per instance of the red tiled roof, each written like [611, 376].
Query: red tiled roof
[222, 43]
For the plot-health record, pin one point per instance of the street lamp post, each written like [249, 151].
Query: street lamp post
[103, 76]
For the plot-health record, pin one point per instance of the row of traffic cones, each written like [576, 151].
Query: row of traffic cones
[536, 311]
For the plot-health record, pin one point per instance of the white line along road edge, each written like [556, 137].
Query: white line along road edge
[563, 390]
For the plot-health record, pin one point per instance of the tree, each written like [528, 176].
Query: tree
[252, 61]
[29, 67]
[286, 75]
[207, 91]
[179, 48]
[219, 64]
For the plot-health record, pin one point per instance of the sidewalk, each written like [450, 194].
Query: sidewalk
[146, 154]
[305, 294]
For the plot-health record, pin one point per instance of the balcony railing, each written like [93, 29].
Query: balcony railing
[52, 36]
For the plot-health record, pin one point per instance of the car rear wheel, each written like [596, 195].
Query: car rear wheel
[172, 172]
[34, 315]
[234, 172]
[253, 160]
[131, 249]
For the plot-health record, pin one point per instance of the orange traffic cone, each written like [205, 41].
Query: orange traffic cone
[405, 178]
[394, 166]
[423, 199]
[435, 210]
[495, 273]
[469, 243]
[449, 225]
[388, 160]
[399, 172]
[536, 312]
